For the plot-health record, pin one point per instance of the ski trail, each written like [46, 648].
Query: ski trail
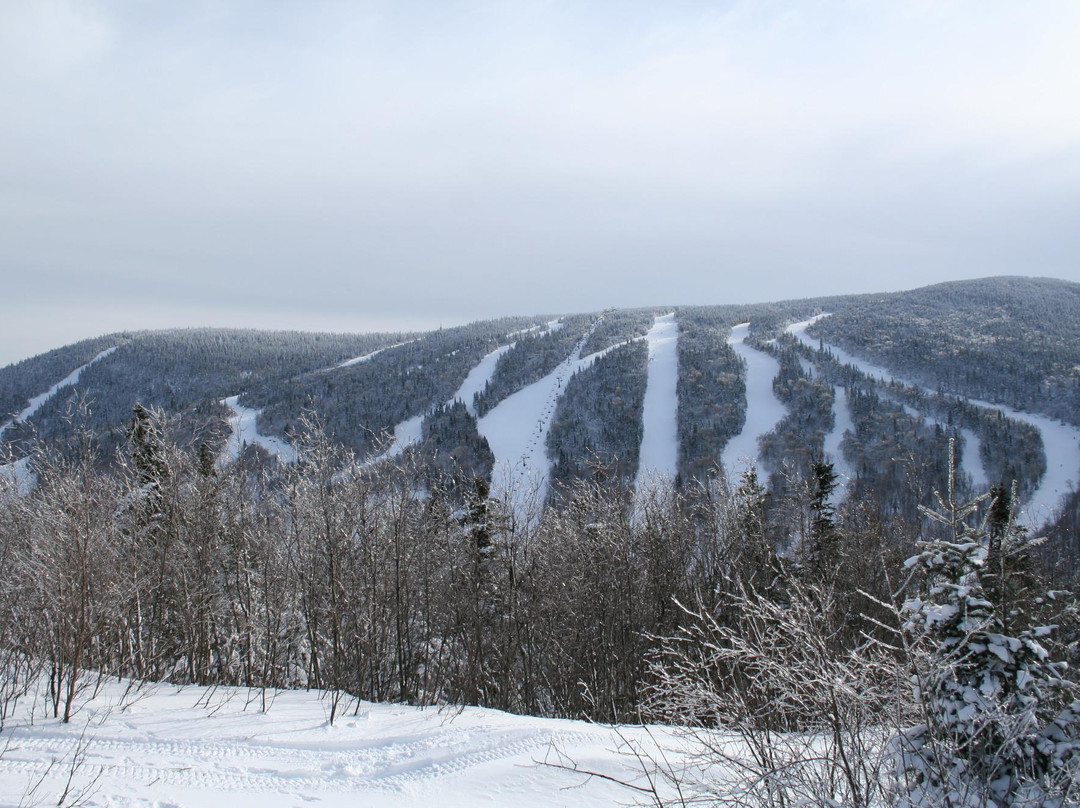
[1061, 442]
[479, 377]
[245, 429]
[356, 360]
[833, 441]
[970, 461]
[658, 457]
[516, 429]
[763, 408]
[38, 401]
[411, 429]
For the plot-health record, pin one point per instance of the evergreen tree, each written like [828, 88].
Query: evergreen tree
[1000, 727]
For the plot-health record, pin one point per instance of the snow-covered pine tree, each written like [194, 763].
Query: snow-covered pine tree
[1000, 723]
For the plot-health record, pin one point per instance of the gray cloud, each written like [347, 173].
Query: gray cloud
[380, 164]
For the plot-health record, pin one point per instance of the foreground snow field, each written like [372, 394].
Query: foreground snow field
[187, 747]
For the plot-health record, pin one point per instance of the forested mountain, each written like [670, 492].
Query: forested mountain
[448, 395]
[844, 495]
[1006, 340]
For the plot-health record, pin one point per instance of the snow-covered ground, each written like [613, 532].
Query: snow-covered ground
[37, 401]
[1061, 442]
[169, 747]
[659, 455]
[516, 429]
[245, 429]
[763, 408]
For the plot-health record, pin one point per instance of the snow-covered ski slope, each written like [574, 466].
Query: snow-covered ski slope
[763, 408]
[1061, 442]
[199, 748]
[411, 430]
[658, 458]
[17, 476]
[832, 448]
[517, 428]
[38, 401]
[244, 427]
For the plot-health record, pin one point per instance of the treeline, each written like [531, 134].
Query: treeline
[790, 449]
[379, 582]
[1010, 450]
[618, 326]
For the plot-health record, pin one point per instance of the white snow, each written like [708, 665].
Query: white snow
[1061, 442]
[245, 430]
[763, 409]
[408, 432]
[659, 454]
[170, 747]
[516, 429]
[971, 462]
[37, 401]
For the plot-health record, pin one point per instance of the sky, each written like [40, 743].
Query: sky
[357, 166]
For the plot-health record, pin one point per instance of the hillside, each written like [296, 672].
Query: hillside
[703, 517]
[991, 364]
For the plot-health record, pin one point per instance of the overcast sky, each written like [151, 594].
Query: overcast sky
[369, 165]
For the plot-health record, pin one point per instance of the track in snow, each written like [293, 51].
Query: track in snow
[194, 747]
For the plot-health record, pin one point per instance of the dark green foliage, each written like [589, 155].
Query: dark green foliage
[597, 428]
[23, 380]
[797, 441]
[897, 459]
[189, 371]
